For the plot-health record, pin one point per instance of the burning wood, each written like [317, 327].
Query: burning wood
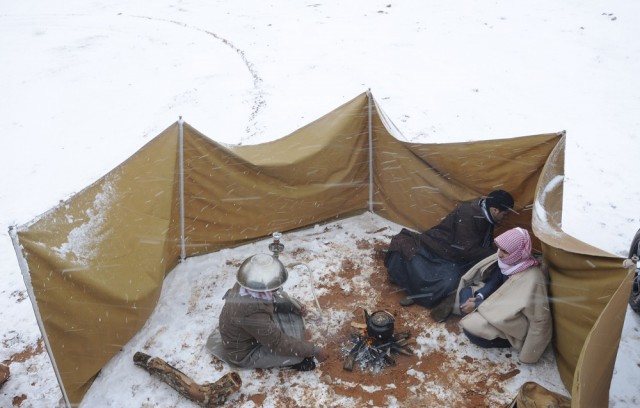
[206, 395]
[373, 353]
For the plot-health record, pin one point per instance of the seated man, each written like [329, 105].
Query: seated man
[260, 327]
[428, 266]
[517, 314]
[632, 262]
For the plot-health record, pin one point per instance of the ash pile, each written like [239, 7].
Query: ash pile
[375, 345]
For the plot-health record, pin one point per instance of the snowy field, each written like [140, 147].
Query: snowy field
[86, 84]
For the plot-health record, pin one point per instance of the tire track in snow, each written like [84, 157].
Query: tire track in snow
[259, 101]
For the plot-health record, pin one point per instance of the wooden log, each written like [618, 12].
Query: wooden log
[402, 335]
[388, 359]
[206, 395]
[401, 343]
[348, 362]
[351, 357]
[406, 351]
[4, 374]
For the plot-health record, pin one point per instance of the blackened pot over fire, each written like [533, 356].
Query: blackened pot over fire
[380, 325]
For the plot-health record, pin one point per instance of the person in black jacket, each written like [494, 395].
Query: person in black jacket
[428, 266]
[632, 262]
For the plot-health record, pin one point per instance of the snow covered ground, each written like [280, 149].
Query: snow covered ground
[85, 84]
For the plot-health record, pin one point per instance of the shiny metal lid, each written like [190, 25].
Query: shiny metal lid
[262, 273]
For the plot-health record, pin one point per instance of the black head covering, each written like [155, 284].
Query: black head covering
[499, 199]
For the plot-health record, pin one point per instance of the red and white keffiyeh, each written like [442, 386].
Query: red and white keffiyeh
[267, 295]
[517, 243]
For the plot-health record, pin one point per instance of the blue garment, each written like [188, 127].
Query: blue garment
[426, 278]
[498, 342]
[494, 281]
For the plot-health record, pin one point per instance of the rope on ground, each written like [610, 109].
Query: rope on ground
[313, 292]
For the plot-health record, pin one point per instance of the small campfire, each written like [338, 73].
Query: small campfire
[375, 345]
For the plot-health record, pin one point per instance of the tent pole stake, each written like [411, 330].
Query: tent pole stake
[370, 127]
[26, 276]
[181, 164]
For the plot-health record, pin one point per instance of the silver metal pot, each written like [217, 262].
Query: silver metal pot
[262, 273]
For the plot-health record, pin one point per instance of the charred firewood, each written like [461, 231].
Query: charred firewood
[401, 343]
[351, 357]
[375, 352]
[348, 362]
[206, 395]
[401, 335]
[402, 350]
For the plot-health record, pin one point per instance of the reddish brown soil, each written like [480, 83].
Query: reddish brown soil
[440, 369]
[21, 357]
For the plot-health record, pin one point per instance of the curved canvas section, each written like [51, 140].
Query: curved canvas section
[592, 377]
[97, 261]
[583, 282]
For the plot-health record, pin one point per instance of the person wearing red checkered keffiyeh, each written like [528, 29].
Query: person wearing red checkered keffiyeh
[517, 314]
[513, 256]
[514, 251]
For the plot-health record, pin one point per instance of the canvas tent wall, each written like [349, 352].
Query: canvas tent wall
[589, 289]
[94, 265]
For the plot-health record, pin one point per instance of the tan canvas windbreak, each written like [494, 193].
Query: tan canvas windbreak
[95, 264]
[589, 295]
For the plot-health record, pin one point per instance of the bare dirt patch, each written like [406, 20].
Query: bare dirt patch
[337, 271]
[30, 351]
[412, 379]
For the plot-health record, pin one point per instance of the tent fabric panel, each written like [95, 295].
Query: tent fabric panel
[580, 288]
[416, 185]
[583, 281]
[318, 173]
[595, 366]
[406, 190]
[97, 262]
[491, 164]
[546, 220]
[313, 144]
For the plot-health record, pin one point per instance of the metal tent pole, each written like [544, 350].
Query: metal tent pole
[370, 126]
[26, 276]
[181, 170]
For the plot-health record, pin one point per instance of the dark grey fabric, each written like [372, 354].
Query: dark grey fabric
[261, 356]
[258, 333]
[634, 297]
[426, 278]
[498, 342]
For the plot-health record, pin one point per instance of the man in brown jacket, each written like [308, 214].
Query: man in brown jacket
[260, 326]
[428, 266]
